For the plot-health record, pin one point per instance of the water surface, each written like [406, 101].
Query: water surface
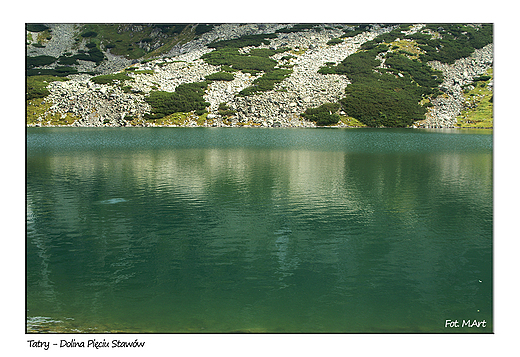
[258, 230]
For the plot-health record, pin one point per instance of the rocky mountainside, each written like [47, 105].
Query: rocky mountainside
[252, 74]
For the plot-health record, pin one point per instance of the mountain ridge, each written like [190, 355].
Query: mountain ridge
[256, 74]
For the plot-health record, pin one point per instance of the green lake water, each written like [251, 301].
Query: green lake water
[258, 230]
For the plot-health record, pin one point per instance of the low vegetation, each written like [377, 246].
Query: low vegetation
[244, 62]
[225, 111]
[298, 28]
[37, 112]
[334, 41]
[111, 78]
[395, 94]
[325, 114]
[36, 86]
[479, 110]
[36, 27]
[267, 81]
[186, 98]
[244, 41]
[220, 76]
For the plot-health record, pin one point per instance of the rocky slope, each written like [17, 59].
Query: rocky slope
[113, 104]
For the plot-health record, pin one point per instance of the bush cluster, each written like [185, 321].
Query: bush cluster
[357, 65]
[323, 115]
[421, 73]
[36, 27]
[89, 34]
[94, 54]
[224, 110]
[457, 41]
[334, 41]
[382, 106]
[38, 61]
[109, 78]
[203, 28]
[481, 78]
[244, 62]
[220, 76]
[267, 81]
[244, 41]
[381, 97]
[57, 71]
[186, 98]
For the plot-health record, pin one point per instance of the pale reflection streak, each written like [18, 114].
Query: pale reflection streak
[310, 182]
[43, 253]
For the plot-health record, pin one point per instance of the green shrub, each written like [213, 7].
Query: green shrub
[39, 61]
[457, 41]
[224, 110]
[203, 28]
[267, 52]
[351, 33]
[387, 104]
[481, 78]
[93, 55]
[220, 76]
[186, 98]
[266, 82]
[421, 73]
[323, 115]
[244, 62]
[109, 78]
[58, 71]
[356, 65]
[244, 41]
[67, 60]
[36, 27]
[334, 41]
[89, 34]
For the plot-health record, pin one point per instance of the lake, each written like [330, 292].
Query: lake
[219, 230]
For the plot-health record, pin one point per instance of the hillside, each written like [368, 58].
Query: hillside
[297, 75]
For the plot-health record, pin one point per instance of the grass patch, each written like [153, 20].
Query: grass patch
[37, 109]
[173, 119]
[410, 48]
[36, 86]
[352, 122]
[480, 113]
[298, 51]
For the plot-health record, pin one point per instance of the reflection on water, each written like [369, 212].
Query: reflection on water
[258, 230]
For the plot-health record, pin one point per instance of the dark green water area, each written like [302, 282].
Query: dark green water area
[219, 230]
